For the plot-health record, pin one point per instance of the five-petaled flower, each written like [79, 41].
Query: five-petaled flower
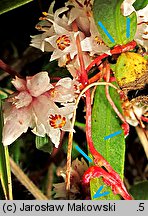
[63, 43]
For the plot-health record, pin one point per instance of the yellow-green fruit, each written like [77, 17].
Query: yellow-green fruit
[130, 68]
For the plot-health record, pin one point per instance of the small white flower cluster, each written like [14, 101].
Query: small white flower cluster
[34, 105]
[59, 35]
[78, 168]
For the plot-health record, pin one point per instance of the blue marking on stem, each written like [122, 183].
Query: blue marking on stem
[106, 32]
[83, 153]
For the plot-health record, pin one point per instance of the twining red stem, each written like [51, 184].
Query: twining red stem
[117, 49]
[98, 158]
[109, 98]
[108, 178]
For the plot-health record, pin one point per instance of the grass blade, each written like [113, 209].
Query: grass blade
[5, 171]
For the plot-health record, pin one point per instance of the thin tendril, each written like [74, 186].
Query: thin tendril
[108, 95]
[73, 122]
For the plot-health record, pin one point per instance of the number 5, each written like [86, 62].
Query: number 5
[141, 207]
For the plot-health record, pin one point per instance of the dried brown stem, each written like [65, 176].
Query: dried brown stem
[23, 178]
[8, 69]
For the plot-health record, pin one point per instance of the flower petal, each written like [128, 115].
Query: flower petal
[22, 99]
[127, 7]
[39, 129]
[38, 84]
[19, 84]
[60, 30]
[38, 41]
[57, 53]
[54, 135]
[41, 107]
[141, 36]
[65, 90]
[66, 110]
[65, 82]
[17, 123]
[67, 126]
[143, 15]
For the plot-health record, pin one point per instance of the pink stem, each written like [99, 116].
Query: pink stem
[108, 95]
[108, 178]
[98, 158]
[117, 49]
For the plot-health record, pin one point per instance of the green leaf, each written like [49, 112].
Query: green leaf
[130, 67]
[5, 172]
[44, 144]
[7, 5]
[95, 185]
[15, 150]
[3, 94]
[104, 123]
[139, 4]
[109, 14]
[146, 57]
[140, 191]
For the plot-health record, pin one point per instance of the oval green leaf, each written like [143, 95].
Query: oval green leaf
[109, 14]
[140, 4]
[104, 123]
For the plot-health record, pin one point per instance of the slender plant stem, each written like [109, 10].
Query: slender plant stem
[23, 178]
[71, 133]
[83, 76]
[108, 95]
[49, 181]
[84, 79]
[98, 158]
[10, 196]
[68, 169]
[117, 50]
[8, 69]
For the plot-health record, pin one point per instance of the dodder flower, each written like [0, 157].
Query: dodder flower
[94, 44]
[33, 106]
[64, 91]
[63, 42]
[18, 109]
[58, 37]
[78, 167]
